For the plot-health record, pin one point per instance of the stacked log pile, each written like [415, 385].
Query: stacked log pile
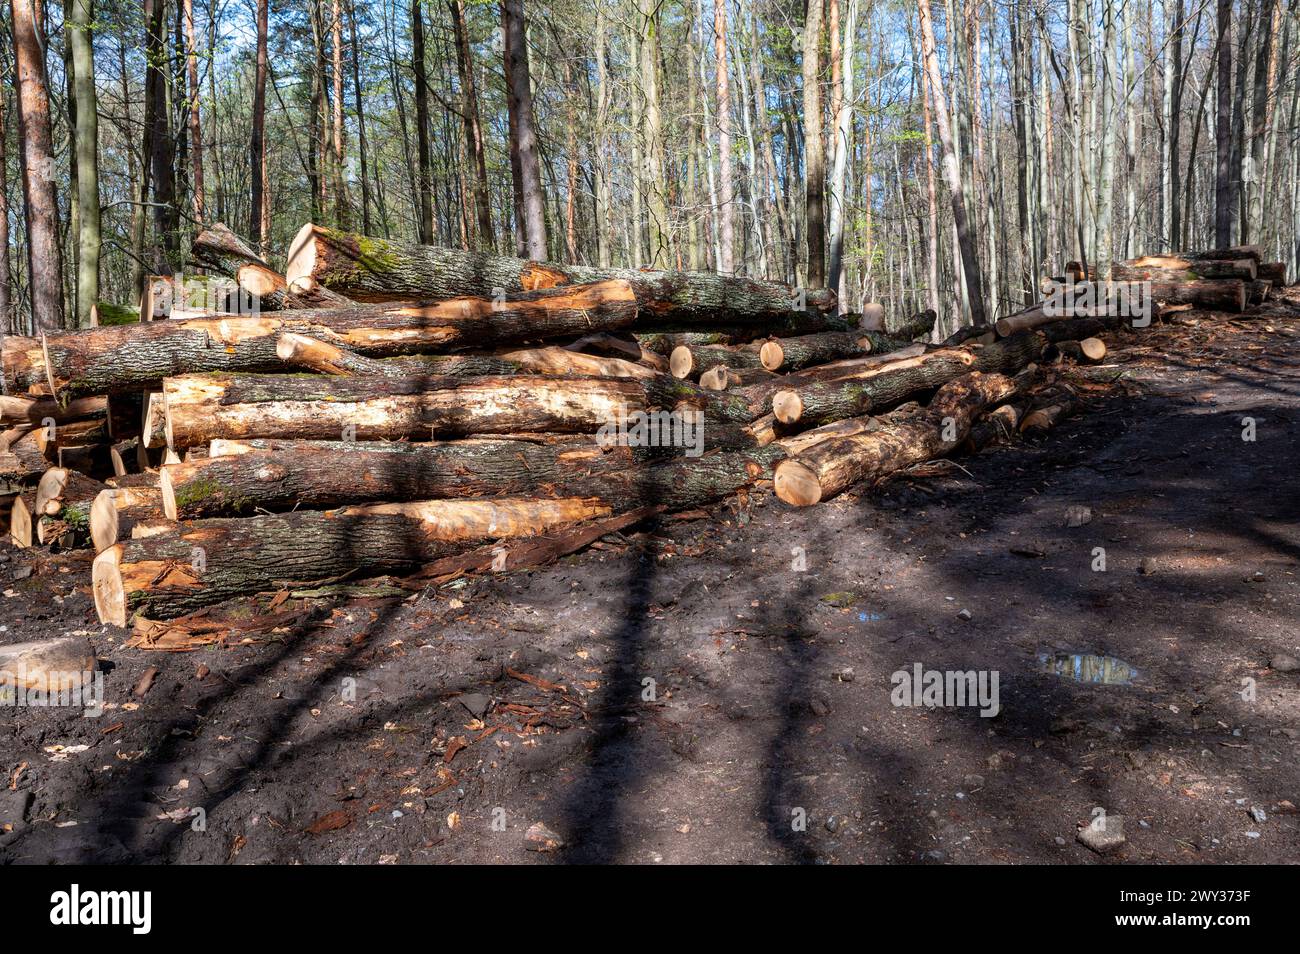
[1223, 279]
[391, 407]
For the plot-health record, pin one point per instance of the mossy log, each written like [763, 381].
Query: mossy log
[279, 475]
[199, 564]
[830, 467]
[373, 269]
[794, 354]
[268, 288]
[889, 383]
[114, 359]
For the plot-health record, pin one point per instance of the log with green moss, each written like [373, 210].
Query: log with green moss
[373, 269]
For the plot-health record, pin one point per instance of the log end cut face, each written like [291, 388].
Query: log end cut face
[797, 484]
[106, 583]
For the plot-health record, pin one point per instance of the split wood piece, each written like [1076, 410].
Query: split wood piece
[688, 362]
[302, 351]
[59, 665]
[1177, 268]
[1274, 272]
[373, 269]
[200, 408]
[889, 383]
[22, 520]
[619, 346]
[279, 475]
[796, 444]
[122, 358]
[722, 378]
[830, 467]
[871, 318]
[795, 354]
[27, 454]
[153, 428]
[919, 325]
[1089, 350]
[124, 457]
[268, 288]
[22, 410]
[115, 511]
[177, 572]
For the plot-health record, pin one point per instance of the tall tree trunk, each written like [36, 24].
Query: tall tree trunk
[842, 146]
[424, 182]
[1259, 130]
[473, 129]
[44, 259]
[520, 104]
[1223, 131]
[6, 316]
[363, 147]
[162, 147]
[652, 129]
[257, 141]
[814, 154]
[87, 150]
[970, 264]
[196, 126]
[726, 210]
[336, 40]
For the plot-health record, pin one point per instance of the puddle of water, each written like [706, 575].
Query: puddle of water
[1085, 667]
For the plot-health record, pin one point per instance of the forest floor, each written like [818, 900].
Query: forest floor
[685, 694]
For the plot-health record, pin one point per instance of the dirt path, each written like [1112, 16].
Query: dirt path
[357, 734]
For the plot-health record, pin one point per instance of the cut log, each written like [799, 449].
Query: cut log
[60, 486]
[21, 410]
[200, 408]
[268, 288]
[1087, 351]
[1218, 295]
[1236, 251]
[920, 325]
[998, 426]
[722, 378]
[302, 351]
[794, 354]
[176, 297]
[153, 430]
[279, 475]
[889, 383]
[1258, 291]
[178, 572]
[1047, 417]
[219, 249]
[663, 342]
[1274, 272]
[830, 467]
[115, 511]
[688, 362]
[373, 269]
[128, 357]
[58, 665]
[1176, 268]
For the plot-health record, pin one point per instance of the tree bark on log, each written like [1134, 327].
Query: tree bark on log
[1178, 268]
[200, 408]
[302, 351]
[372, 269]
[1274, 272]
[1217, 295]
[688, 362]
[830, 467]
[117, 510]
[221, 250]
[120, 358]
[279, 475]
[269, 289]
[1087, 351]
[21, 410]
[794, 354]
[889, 383]
[203, 563]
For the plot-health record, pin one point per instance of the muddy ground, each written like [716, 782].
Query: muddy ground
[685, 693]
